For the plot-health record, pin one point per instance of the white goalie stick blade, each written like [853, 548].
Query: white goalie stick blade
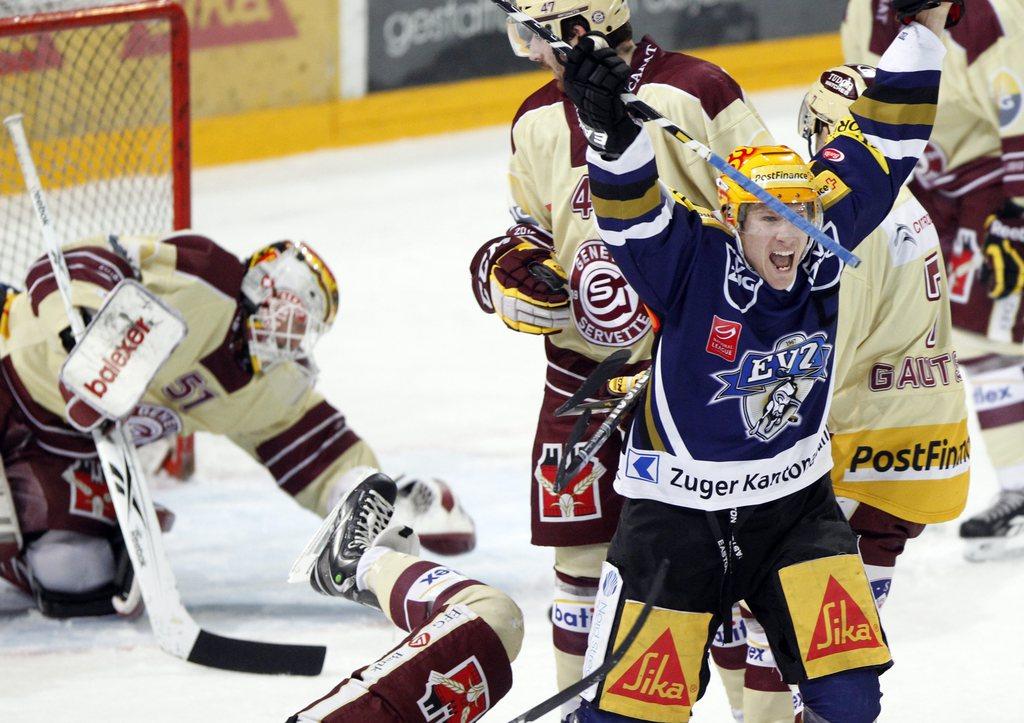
[175, 630]
[124, 346]
[598, 674]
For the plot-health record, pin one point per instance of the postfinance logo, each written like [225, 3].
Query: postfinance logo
[842, 626]
[656, 676]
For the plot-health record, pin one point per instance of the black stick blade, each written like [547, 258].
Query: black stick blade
[608, 369]
[250, 656]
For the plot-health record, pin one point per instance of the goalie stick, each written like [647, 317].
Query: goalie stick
[175, 630]
[645, 112]
[598, 674]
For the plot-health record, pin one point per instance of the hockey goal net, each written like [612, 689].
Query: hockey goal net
[103, 89]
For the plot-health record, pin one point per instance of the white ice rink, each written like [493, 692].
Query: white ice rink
[436, 387]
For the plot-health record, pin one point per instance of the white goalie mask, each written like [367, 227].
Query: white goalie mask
[293, 300]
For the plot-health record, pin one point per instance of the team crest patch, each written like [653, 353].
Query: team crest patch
[1007, 87]
[89, 495]
[724, 338]
[149, 423]
[460, 695]
[658, 679]
[605, 308]
[770, 386]
[834, 615]
[580, 500]
[963, 264]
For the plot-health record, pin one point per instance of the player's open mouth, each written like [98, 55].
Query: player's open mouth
[781, 260]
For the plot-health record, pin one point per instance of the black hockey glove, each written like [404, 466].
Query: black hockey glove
[1004, 251]
[906, 9]
[594, 79]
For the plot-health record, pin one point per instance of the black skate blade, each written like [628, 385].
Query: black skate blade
[607, 369]
[250, 656]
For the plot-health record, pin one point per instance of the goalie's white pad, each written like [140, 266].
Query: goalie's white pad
[124, 346]
[10, 532]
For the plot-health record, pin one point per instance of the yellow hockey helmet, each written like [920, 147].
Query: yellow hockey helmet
[603, 16]
[829, 98]
[777, 169]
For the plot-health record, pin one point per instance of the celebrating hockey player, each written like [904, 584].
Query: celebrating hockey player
[898, 416]
[455, 664]
[589, 311]
[971, 181]
[244, 370]
[741, 508]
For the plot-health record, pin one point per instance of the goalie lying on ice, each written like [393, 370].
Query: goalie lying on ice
[244, 370]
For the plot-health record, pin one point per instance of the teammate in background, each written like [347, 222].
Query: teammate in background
[455, 664]
[898, 417]
[744, 510]
[244, 370]
[971, 182]
[591, 311]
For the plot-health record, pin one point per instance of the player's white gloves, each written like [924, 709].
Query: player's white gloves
[516, 277]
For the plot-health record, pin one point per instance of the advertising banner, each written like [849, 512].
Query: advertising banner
[415, 42]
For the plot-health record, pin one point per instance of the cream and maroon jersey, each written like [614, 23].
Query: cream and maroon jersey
[898, 415]
[549, 183]
[978, 139]
[206, 385]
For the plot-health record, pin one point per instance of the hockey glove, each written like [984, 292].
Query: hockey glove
[528, 290]
[1004, 251]
[595, 78]
[906, 10]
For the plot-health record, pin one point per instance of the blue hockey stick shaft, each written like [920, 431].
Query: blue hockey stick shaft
[645, 112]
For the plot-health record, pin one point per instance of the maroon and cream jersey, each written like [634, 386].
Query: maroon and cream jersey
[549, 183]
[206, 385]
[978, 138]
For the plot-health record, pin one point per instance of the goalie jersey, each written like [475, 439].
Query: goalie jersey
[206, 385]
[550, 187]
[735, 413]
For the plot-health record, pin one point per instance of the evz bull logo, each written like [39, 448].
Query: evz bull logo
[770, 386]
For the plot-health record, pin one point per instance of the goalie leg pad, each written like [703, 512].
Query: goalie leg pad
[454, 667]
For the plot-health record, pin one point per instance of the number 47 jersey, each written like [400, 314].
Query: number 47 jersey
[206, 385]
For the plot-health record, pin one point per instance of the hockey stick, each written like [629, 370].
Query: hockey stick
[645, 112]
[568, 469]
[607, 369]
[598, 674]
[175, 630]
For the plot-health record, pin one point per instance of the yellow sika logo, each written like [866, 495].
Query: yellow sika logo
[656, 677]
[842, 625]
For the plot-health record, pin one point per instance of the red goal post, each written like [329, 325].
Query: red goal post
[104, 91]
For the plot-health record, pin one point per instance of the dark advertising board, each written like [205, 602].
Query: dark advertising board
[415, 42]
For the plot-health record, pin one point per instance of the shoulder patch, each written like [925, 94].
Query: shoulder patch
[830, 188]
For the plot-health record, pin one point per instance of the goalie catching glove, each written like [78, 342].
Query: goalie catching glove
[595, 77]
[1004, 251]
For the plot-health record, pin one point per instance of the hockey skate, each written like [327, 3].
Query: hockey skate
[430, 507]
[990, 534]
[330, 559]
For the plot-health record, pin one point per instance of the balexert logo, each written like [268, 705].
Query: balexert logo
[936, 454]
[453, 20]
[117, 360]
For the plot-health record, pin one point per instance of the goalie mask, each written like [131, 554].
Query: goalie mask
[293, 300]
[829, 98]
[600, 16]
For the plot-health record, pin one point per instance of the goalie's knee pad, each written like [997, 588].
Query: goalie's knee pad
[454, 667]
[853, 696]
[61, 561]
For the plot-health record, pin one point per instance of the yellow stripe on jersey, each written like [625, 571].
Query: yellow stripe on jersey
[848, 127]
[917, 473]
[626, 210]
[707, 216]
[657, 444]
[896, 113]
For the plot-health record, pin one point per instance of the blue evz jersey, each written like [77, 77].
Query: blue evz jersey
[740, 386]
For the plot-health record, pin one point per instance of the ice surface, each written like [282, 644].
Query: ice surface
[436, 387]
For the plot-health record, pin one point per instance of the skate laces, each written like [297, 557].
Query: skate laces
[373, 517]
[1006, 504]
